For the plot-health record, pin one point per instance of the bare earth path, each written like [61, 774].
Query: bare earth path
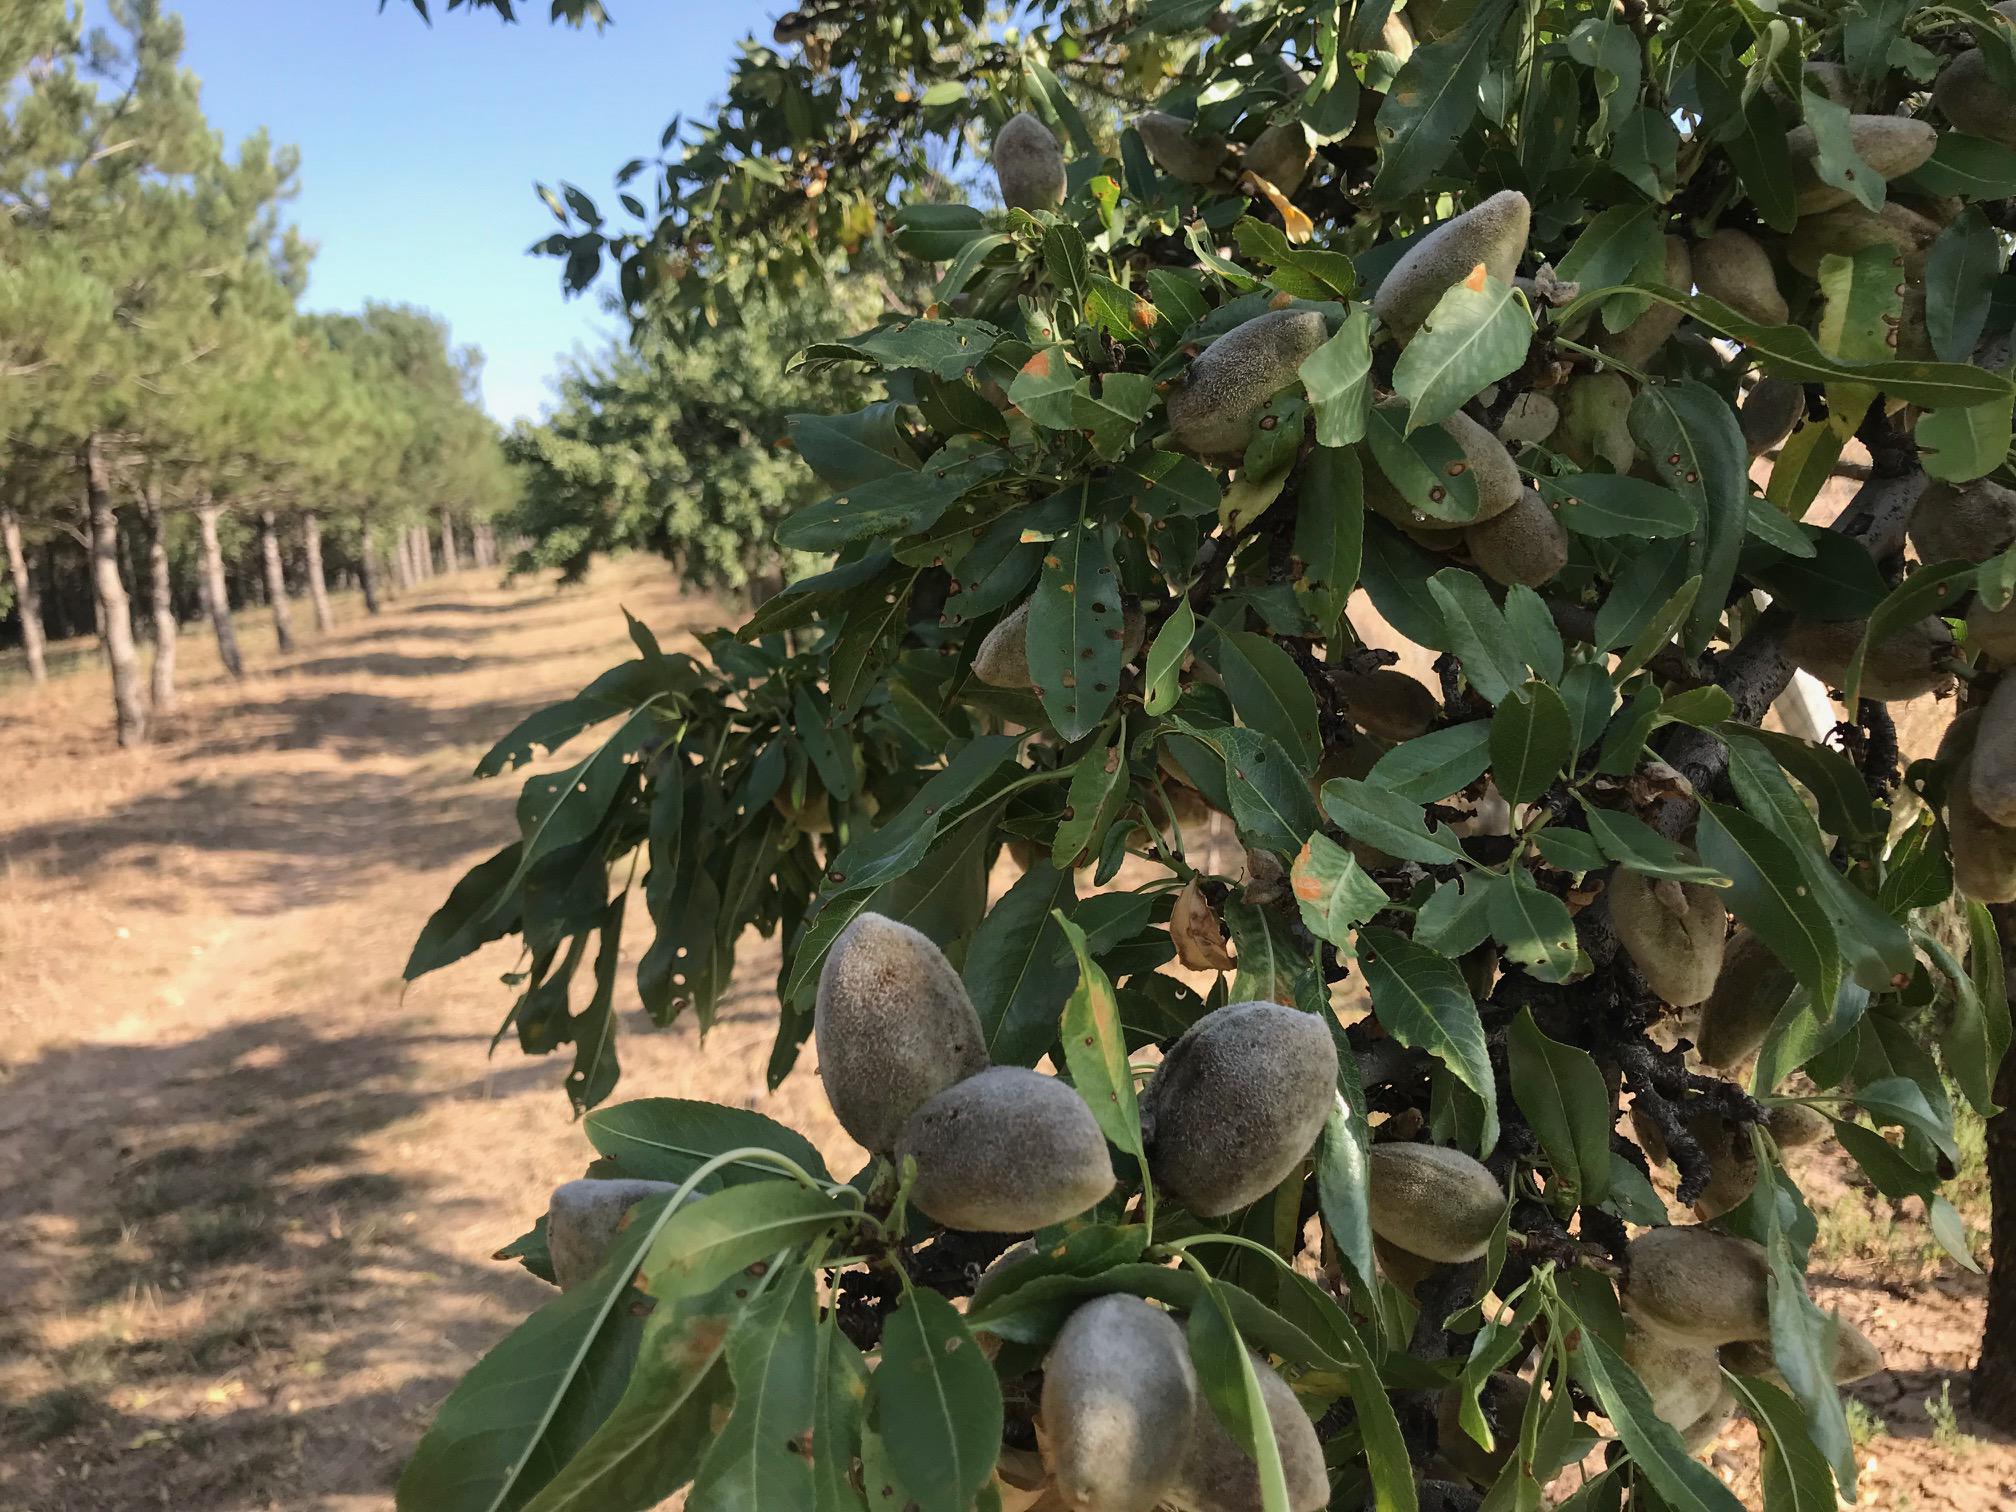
[248, 1192]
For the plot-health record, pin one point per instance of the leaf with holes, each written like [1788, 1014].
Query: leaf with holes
[1076, 629]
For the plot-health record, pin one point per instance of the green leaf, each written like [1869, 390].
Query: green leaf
[669, 1138]
[1570, 850]
[1619, 245]
[1109, 416]
[1755, 141]
[1682, 1482]
[902, 841]
[1969, 167]
[1225, 1372]
[477, 912]
[1802, 1344]
[1343, 1182]
[1794, 1471]
[1532, 739]
[1561, 1091]
[1691, 434]
[1769, 894]
[1018, 967]
[1432, 103]
[1425, 467]
[1165, 658]
[1787, 351]
[1096, 799]
[1472, 338]
[1395, 573]
[1979, 1035]
[1835, 161]
[1534, 636]
[1329, 539]
[1958, 445]
[1534, 926]
[1430, 767]
[1042, 389]
[1456, 919]
[1338, 376]
[1630, 841]
[529, 1405]
[1095, 1050]
[938, 1404]
[1477, 633]
[1960, 274]
[1389, 822]
[1073, 659]
[840, 1388]
[943, 348]
[1658, 631]
[1333, 891]
[885, 508]
[755, 1463]
[1845, 808]
[1272, 807]
[935, 233]
[1422, 1001]
[1267, 689]
[1607, 505]
[655, 1437]
[851, 449]
[1933, 589]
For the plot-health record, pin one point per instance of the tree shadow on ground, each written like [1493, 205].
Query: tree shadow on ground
[203, 1277]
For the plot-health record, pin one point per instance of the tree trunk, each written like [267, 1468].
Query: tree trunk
[114, 607]
[26, 603]
[318, 586]
[479, 544]
[402, 560]
[450, 559]
[160, 602]
[367, 570]
[276, 580]
[1994, 1391]
[216, 595]
[423, 552]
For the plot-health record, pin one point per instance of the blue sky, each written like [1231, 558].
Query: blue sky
[420, 147]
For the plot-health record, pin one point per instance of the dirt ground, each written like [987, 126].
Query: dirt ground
[249, 1188]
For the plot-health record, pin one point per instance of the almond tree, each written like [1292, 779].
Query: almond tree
[1475, 316]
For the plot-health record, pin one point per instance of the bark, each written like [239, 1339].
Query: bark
[484, 544]
[276, 579]
[114, 606]
[450, 560]
[216, 595]
[423, 552]
[367, 571]
[160, 603]
[27, 603]
[1994, 1391]
[318, 585]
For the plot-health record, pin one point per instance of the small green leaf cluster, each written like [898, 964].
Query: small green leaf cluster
[1164, 478]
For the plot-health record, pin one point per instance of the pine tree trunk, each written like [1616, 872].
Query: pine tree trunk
[479, 544]
[1994, 1390]
[367, 570]
[451, 560]
[423, 552]
[402, 560]
[276, 580]
[114, 606]
[318, 585]
[27, 604]
[160, 603]
[216, 594]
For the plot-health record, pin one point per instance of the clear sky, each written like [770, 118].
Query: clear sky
[420, 147]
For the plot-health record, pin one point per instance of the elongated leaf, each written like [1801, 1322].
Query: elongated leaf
[1607, 505]
[1477, 333]
[1534, 926]
[1269, 795]
[1343, 1183]
[1683, 1483]
[1232, 1388]
[1430, 767]
[1795, 1473]
[908, 834]
[668, 1139]
[1165, 659]
[1329, 539]
[1333, 891]
[1432, 103]
[1367, 812]
[1532, 739]
[655, 1438]
[1267, 689]
[1075, 631]
[840, 1389]
[1019, 969]
[1769, 894]
[529, 1405]
[1561, 1091]
[1426, 468]
[1627, 839]
[1338, 375]
[1477, 633]
[938, 1404]
[1396, 574]
[1802, 1344]
[1691, 435]
[1422, 1001]
[755, 1463]
[1095, 1050]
